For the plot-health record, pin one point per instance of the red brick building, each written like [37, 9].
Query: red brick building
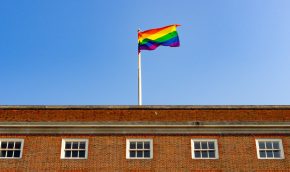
[145, 138]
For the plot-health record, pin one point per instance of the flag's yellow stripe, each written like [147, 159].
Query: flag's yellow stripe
[156, 35]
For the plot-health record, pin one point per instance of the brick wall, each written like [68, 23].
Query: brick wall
[171, 153]
[85, 115]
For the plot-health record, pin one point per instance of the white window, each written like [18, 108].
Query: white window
[269, 149]
[139, 149]
[74, 149]
[11, 148]
[204, 149]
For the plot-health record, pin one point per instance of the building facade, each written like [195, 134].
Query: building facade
[145, 138]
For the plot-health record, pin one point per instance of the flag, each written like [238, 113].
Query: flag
[153, 38]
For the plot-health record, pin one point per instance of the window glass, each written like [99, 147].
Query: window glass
[197, 154]
[269, 149]
[262, 145]
[74, 149]
[146, 145]
[147, 153]
[10, 148]
[204, 149]
[132, 145]
[211, 145]
[139, 145]
[263, 154]
[139, 149]
[197, 145]
[68, 145]
[82, 145]
[204, 145]
[269, 145]
[132, 154]
[276, 145]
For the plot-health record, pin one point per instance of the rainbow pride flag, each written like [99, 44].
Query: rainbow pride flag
[153, 38]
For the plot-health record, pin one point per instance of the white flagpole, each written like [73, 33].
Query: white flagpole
[139, 78]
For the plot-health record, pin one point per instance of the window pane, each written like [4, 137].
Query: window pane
[269, 145]
[277, 154]
[67, 154]
[262, 145]
[269, 154]
[263, 154]
[82, 145]
[147, 154]
[139, 154]
[146, 145]
[9, 153]
[204, 145]
[74, 153]
[196, 145]
[10, 145]
[67, 145]
[211, 145]
[75, 145]
[82, 154]
[3, 153]
[132, 154]
[17, 154]
[197, 154]
[276, 145]
[132, 145]
[139, 145]
[204, 154]
[211, 154]
[17, 145]
[4, 145]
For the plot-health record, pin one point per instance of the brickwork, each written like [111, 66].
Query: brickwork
[171, 153]
[89, 115]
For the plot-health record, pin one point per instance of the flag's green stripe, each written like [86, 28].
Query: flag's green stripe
[161, 39]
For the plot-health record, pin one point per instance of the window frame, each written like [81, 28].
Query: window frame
[204, 140]
[271, 140]
[12, 140]
[62, 155]
[138, 140]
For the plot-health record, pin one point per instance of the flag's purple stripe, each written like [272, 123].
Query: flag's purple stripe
[151, 45]
[148, 47]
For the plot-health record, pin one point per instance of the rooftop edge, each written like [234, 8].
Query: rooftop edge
[143, 107]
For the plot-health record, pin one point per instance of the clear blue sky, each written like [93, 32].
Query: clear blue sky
[72, 52]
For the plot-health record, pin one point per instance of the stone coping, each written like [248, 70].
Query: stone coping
[28, 128]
